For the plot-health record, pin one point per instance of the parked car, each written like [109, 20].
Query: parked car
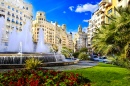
[95, 58]
[104, 59]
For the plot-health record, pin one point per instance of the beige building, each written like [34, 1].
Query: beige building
[54, 34]
[15, 12]
[80, 39]
[110, 8]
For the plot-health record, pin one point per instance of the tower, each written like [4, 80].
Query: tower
[41, 16]
[80, 28]
[64, 27]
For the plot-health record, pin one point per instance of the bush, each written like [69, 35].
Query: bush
[76, 54]
[122, 62]
[32, 63]
[83, 56]
[83, 50]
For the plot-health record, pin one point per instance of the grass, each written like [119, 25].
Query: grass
[106, 75]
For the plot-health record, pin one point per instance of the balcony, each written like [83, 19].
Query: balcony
[102, 9]
[108, 4]
[103, 2]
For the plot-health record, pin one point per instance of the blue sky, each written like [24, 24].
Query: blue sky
[69, 12]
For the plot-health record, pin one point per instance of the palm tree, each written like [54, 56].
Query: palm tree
[114, 37]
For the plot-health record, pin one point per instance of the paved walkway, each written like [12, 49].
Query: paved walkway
[81, 64]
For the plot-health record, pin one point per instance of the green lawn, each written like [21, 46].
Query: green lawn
[106, 75]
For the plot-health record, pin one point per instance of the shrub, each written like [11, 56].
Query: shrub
[122, 62]
[32, 63]
[83, 50]
[83, 56]
[76, 54]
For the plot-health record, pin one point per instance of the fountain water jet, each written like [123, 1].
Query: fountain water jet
[2, 24]
[41, 46]
[13, 41]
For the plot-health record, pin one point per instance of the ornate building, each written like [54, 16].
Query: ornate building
[80, 39]
[54, 34]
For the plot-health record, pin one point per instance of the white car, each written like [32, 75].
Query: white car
[95, 58]
[104, 59]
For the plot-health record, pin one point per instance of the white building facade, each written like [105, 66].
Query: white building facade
[97, 19]
[16, 13]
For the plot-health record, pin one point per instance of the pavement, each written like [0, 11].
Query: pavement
[79, 65]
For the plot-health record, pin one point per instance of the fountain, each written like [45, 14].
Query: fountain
[41, 46]
[1, 30]
[21, 47]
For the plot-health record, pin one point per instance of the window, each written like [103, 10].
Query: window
[17, 16]
[20, 23]
[20, 12]
[16, 28]
[8, 13]
[119, 0]
[26, 8]
[17, 11]
[8, 7]
[20, 18]
[13, 15]
[13, 9]
[6, 43]
[8, 19]
[12, 20]
[109, 11]
[2, 3]
[17, 22]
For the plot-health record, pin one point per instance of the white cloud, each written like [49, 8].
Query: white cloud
[85, 20]
[71, 8]
[84, 29]
[64, 11]
[86, 7]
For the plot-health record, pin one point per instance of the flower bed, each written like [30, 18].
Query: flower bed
[42, 78]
